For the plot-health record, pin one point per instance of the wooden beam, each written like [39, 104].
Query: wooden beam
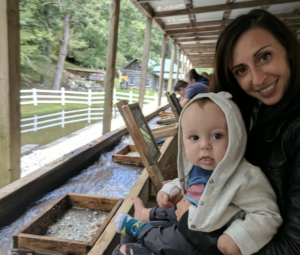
[221, 7]
[182, 62]
[173, 54]
[111, 64]
[197, 46]
[178, 64]
[145, 60]
[184, 35]
[211, 50]
[203, 65]
[10, 85]
[162, 70]
[198, 24]
[195, 29]
[195, 39]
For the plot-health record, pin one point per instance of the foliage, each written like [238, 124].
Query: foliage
[42, 26]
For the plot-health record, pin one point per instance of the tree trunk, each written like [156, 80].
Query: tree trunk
[63, 51]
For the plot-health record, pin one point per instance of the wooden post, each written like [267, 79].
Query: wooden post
[187, 66]
[173, 54]
[10, 85]
[182, 62]
[162, 70]
[178, 63]
[111, 64]
[145, 62]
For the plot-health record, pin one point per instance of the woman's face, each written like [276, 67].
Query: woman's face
[260, 66]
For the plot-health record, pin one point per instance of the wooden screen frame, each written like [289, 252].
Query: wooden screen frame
[175, 106]
[137, 135]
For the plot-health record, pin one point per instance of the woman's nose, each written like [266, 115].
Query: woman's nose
[258, 76]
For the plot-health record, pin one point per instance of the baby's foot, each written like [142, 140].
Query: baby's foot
[127, 225]
[140, 211]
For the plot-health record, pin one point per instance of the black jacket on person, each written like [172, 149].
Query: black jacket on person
[277, 153]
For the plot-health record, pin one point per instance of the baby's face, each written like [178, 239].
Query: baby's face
[205, 134]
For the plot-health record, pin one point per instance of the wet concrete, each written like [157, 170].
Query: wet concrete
[104, 178]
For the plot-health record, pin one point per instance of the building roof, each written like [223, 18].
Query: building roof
[194, 26]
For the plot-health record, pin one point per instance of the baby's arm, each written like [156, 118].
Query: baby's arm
[262, 219]
[228, 246]
[170, 194]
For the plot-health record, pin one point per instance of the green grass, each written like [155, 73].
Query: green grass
[40, 109]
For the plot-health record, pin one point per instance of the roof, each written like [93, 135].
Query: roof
[194, 25]
[167, 67]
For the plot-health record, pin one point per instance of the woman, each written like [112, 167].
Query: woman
[264, 80]
[194, 85]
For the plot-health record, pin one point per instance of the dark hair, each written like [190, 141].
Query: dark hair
[223, 79]
[180, 84]
[192, 74]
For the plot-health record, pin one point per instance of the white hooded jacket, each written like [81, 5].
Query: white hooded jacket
[237, 192]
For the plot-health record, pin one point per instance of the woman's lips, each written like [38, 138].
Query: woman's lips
[268, 90]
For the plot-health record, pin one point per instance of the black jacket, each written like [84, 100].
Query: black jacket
[278, 155]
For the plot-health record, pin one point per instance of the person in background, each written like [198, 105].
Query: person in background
[257, 60]
[205, 75]
[187, 90]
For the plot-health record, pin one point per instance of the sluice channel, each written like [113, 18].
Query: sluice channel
[103, 178]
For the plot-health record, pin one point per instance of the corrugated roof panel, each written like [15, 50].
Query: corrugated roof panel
[167, 5]
[200, 3]
[238, 12]
[176, 20]
[209, 16]
[281, 8]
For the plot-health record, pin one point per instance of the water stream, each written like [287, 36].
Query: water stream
[103, 178]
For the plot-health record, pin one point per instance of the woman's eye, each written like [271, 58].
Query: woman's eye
[265, 57]
[194, 137]
[240, 71]
[217, 136]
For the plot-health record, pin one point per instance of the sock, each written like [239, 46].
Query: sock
[127, 225]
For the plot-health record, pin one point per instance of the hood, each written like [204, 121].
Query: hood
[236, 144]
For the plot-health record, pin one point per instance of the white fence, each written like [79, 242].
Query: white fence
[63, 97]
[60, 119]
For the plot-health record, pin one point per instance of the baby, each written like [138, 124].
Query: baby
[222, 191]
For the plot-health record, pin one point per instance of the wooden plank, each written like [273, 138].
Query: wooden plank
[145, 60]
[168, 148]
[10, 139]
[120, 155]
[162, 70]
[30, 236]
[195, 30]
[43, 243]
[111, 64]
[184, 35]
[220, 7]
[15, 197]
[166, 121]
[198, 38]
[144, 148]
[178, 65]
[92, 202]
[168, 131]
[170, 82]
[165, 114]
[103, 244]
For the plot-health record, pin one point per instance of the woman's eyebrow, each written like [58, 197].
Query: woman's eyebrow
[260, 50]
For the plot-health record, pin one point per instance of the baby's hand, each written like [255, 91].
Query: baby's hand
[182, 207]
[163, 200]
[227, 246]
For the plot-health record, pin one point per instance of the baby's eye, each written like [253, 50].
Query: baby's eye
[217, 136]
[194, 137]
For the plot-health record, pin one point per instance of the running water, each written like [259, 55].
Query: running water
[103, 178]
